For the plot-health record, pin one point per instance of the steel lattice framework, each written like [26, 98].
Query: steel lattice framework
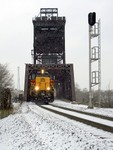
[49, 53]
[62, 74]
[94, 61]
[49, 37]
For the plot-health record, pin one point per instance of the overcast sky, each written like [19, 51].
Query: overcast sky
[16, 35]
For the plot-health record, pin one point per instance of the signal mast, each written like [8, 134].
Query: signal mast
[94, 57]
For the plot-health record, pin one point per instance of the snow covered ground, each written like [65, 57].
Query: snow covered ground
[32, 128]
[102, 111]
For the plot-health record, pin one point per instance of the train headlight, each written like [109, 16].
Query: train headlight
[42, 71]
[36, 88]
[48, 88]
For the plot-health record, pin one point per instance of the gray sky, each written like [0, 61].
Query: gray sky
[16, 35]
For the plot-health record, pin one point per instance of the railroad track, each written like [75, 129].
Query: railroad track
[83, 112]
[99, 121]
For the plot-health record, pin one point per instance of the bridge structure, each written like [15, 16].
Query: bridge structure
[49, 52]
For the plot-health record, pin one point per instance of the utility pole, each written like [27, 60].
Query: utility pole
[18, 78]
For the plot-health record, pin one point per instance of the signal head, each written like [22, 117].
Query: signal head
[92, 18]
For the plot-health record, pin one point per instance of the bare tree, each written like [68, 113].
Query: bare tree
[81, 95]
[6, 84]
[6, 79]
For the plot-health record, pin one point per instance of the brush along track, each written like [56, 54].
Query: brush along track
[87, 119]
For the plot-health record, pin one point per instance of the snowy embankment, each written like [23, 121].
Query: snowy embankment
[32, 128]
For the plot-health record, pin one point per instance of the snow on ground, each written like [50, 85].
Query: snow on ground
[102, 111]
[83, 116]
[32, 128]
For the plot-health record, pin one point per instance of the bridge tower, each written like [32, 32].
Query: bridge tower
[49, 37]
[49, 53]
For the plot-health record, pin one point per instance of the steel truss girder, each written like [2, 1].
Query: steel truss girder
[49, 52]
[62, 74]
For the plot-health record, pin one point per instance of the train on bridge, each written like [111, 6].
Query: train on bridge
[41, 87]
[49, 54]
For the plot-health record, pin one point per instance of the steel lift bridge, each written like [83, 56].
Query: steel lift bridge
[49, 53]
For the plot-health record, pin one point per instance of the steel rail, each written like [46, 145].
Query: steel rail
[83, 112]
[83, 120]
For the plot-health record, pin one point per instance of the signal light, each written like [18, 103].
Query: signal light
[92, 18]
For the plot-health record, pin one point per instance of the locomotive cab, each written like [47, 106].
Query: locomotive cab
[42, 87]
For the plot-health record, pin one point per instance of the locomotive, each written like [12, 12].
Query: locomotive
[42, 87]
